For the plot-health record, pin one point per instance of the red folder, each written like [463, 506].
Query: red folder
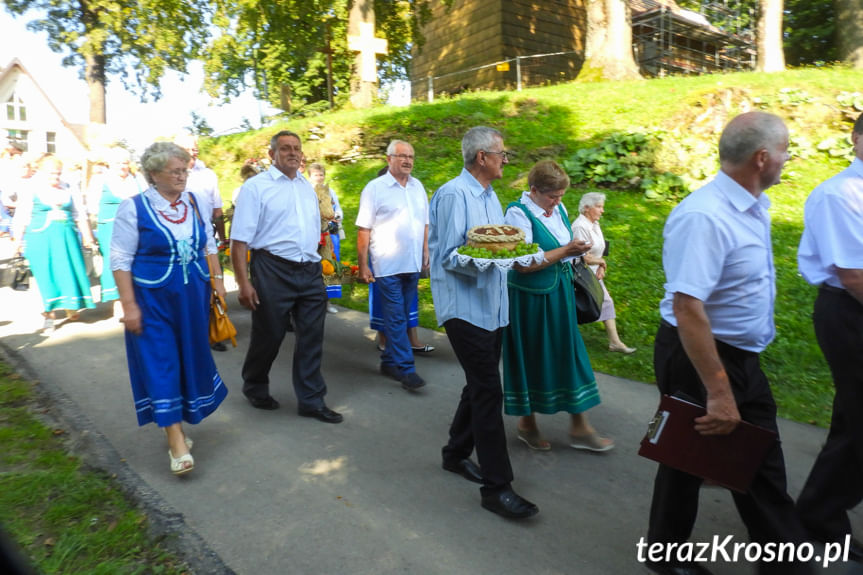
[727, 460]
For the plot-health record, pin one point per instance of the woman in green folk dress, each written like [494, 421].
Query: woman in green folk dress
[545, 364]
[47, 224]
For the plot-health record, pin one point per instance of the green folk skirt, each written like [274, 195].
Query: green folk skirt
[545, 363]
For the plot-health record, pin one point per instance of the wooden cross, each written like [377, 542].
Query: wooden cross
[368, 46]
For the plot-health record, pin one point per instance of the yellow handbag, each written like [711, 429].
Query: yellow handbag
[221, 327]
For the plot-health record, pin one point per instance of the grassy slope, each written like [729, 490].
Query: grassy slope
[556, 121]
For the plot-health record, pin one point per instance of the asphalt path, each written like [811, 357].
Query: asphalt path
[275, 493]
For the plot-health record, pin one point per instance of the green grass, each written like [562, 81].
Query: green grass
[556, 121]
[64, 517]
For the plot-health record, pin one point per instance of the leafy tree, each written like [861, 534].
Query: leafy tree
[810, 32]
[200, 126]
[136, 41]
[273, 43]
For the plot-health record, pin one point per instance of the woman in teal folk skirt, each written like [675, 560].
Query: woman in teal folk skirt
[545, 364]
[49, 220]
[120, 184]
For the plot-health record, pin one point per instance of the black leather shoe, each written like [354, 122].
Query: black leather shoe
[263, 402]
[466, 468]
[412, 381]
[324, 414]
[663, 568]
[219, 346]
[509, 504]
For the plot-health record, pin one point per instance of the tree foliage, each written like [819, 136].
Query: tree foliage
[809, 26]
[135, 41]
[268, 44]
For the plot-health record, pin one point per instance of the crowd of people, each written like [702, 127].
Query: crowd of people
[160, 237]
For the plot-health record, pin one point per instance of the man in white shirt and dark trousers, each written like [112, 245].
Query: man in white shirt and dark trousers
[392, 224]
[278, 218]
[717, 317]
[831, 256]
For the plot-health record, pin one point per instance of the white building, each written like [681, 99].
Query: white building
[31, 122]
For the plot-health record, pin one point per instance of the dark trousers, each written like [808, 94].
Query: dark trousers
[285, 287]
[835, 484]
[478, 420]
[766, 509]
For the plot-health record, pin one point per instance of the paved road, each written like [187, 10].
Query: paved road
[273, 493]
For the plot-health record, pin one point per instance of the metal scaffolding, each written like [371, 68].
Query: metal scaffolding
[667, 41]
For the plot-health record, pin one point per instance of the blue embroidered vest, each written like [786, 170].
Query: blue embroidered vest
[159, 255]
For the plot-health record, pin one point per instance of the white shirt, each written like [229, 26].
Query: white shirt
[397, 217]
[204, 183]
[833, 227]
[717, 249]
[554, 223]
[124, 238]
[279, 215]
[584, 229]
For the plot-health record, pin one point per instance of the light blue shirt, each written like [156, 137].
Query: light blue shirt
[717, 249]
[479, 298]
[279, 215]
[833, 227]
[397, 217]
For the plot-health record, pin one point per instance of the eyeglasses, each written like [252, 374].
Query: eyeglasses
[503, 155]
[176, 173]
[402, 156]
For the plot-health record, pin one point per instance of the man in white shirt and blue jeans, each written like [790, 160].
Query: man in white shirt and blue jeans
[392, 227]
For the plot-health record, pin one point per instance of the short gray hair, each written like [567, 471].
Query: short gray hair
[477, 139]
[155, 158]
[589, 200]
[274, 141]
[747, 133]
[391, 149]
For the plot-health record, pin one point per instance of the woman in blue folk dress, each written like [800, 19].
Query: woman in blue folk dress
[545, 364]
[120, 184]
[47, 223]
[159, 252]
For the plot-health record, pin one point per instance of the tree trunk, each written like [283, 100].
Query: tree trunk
[94, 73]
[849, 31]
[608, 43]
[771, 58]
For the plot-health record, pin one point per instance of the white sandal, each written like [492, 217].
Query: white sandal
[183, 464]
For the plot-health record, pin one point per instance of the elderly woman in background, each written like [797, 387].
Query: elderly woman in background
[159, 251]
[545, 363]
[586, 227]
[120, 183]
[47, 221]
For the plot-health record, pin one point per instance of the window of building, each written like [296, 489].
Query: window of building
[51, 142]
[18, 138]
[15, 108]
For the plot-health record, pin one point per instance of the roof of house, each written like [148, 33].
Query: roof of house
[78, 130]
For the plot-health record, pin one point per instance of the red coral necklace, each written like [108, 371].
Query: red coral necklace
[174, 205]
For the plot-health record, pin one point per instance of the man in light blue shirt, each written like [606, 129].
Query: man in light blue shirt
[831, 256]
[473, 308]
[717, 316]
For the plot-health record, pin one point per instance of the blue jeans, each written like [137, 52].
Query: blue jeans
[397, 292]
